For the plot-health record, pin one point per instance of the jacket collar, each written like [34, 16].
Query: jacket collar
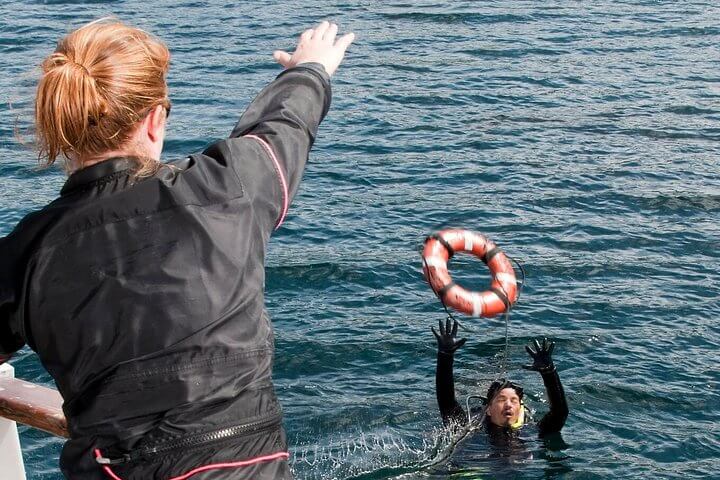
[94, 173]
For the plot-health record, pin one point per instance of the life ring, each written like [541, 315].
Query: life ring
[440, 247]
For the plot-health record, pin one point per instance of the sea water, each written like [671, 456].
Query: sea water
[581, 136]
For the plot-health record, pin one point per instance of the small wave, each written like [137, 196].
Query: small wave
[456, 17]
[690, 110]
[368, 455]
[513, 52]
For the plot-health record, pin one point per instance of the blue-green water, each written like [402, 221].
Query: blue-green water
[581, 136]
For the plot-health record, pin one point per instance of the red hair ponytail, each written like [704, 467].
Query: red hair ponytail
[100, 81]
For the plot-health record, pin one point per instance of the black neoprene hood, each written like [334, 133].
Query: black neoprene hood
[501, 384]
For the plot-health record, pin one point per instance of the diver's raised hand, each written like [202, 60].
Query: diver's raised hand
[317, 45]
[447, 343]
[542, 356]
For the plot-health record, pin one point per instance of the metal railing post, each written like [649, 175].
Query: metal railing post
[11, 458]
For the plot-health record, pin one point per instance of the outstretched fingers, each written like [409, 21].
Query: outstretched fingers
[307, 34]
[530, 351]
[321, 29]
[551, 348]
[454, 328]
[331, 33]
[345, 41]
[318, 45]
[283, 58]
[437, 337]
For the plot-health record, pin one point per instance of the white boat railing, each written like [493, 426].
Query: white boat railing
[24, 402]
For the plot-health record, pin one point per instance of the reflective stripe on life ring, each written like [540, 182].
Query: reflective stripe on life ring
[440, 247]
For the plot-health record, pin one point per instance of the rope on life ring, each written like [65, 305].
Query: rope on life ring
[439, 249]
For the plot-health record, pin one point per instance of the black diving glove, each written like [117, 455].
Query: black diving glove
[542, 356]
[447, 343]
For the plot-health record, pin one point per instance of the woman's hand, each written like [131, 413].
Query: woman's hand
[447, 343]
[318, 45]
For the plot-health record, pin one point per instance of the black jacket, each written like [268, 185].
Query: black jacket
[144, 298]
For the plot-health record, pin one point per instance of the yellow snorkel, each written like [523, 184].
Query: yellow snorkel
[521, 418]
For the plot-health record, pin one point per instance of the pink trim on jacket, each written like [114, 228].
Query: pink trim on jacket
[212, 466]
[281, 176]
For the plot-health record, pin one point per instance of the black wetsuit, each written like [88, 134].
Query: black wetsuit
[452, 412]
[144, 298]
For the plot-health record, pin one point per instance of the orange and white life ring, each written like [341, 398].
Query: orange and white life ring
[440, 247]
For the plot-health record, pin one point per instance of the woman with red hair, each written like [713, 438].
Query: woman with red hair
[141, 286]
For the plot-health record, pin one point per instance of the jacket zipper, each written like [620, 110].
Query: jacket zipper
[196, 440]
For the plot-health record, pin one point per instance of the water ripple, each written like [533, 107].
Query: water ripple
[581, 137]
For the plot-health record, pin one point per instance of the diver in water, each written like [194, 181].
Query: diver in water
[503, 413]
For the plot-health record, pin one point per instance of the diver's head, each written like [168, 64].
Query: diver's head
[504, 404]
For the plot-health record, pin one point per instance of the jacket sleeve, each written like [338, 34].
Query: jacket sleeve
[554, 420]
[11, 335]
[450, 409]
[269, 146]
